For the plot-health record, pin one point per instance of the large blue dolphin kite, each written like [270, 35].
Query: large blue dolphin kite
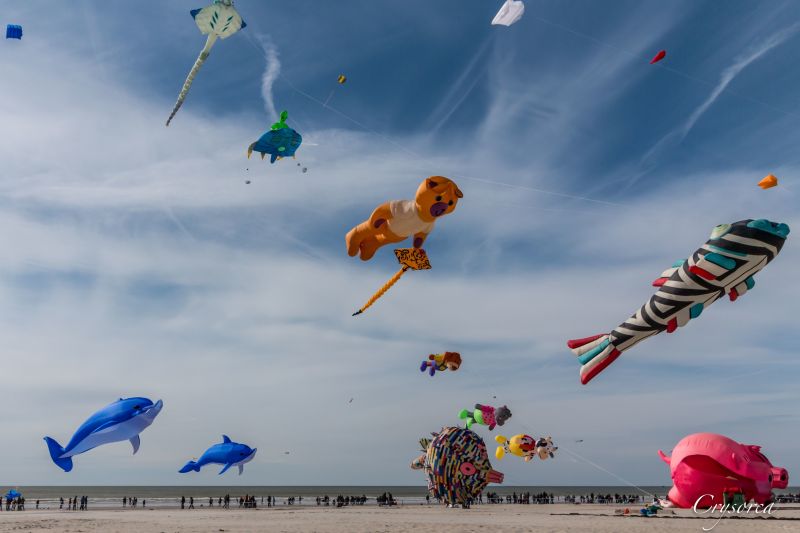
[120, 421]
[226, 453]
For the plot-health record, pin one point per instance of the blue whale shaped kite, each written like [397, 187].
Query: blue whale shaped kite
[120, 421]
[226, 453]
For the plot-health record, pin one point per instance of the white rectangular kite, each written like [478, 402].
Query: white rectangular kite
[510, 13]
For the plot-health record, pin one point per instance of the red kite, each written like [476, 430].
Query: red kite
[658, 57]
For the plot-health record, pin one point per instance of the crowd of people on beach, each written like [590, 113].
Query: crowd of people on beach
[550, 498]
[81, 503]
[14, 504]
[72, 504]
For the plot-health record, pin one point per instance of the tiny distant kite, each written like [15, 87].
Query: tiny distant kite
[485, 415]
[13, 31]
[441, 362]
[658, 57]
[396, 220]
[341, 80]
[226, 453]
[725, 264]
[119, 421]
[279, 142]
[410, 258]
[509, 13]
[768, 182]
[219, 21]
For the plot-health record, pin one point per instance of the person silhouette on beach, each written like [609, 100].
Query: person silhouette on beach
[183, 502]
[191, 502]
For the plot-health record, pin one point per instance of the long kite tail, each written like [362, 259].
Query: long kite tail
[192, 73]
[382, 290]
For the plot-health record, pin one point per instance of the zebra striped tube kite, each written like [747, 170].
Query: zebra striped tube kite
[219, 21]
[725, 264]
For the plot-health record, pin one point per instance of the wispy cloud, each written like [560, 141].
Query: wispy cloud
[272, 70]
[679, 133]
[728, 75]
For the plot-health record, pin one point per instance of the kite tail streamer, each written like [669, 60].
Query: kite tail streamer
[382, 290]
[192, 73]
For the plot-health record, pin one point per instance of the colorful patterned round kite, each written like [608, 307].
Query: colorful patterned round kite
[458, 466]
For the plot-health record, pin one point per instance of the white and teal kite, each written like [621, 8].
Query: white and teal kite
[219, 21]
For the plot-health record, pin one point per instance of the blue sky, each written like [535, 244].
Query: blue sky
[135, 260]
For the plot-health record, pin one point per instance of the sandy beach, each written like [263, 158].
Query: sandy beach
[545, 518]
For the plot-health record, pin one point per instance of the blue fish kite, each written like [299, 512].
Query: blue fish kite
[120, 421]
[226, 453]
[279, 142]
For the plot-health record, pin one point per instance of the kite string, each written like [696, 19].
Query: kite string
[663, 66]
[592, 463]
[578, 456]
[417, 156]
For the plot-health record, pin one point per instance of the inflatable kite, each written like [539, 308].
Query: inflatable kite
[12, 494]
[441, 362]
[227, 453]
[120, 421]
[219, 21]
[658, 57]
[409, 258]
[545, 448]
[525, 446]
[13, 31]
[768, 182]
[519, 445]
[342, 79]
[725, 264]
[279, 142]
[397, 220]
[485, 415]
[707, 468]
[509, 13]
[457, 466]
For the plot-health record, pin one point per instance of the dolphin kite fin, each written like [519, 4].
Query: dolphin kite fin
[241, 469]
[225, 468]
[135, 442]
[225, 439]
[191, 466]
[56, 451]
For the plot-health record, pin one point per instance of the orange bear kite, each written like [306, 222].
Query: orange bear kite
[396, 220]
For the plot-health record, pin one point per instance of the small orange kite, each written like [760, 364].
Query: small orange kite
[768, 182]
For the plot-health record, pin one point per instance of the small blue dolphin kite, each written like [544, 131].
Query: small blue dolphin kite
[120, 421]
[226, 453]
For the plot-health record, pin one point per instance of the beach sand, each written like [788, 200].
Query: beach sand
[495, 518]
